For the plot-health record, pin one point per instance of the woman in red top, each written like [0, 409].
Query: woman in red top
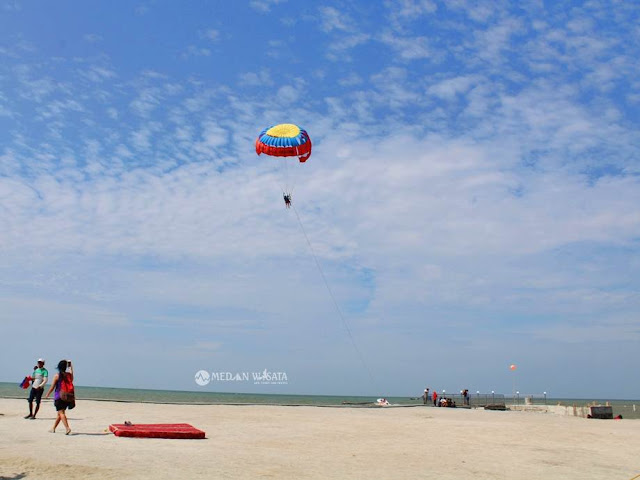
[61, 405]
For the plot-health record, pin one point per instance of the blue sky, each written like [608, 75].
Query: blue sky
[472, 196]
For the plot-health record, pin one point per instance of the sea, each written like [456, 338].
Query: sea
[629, 409]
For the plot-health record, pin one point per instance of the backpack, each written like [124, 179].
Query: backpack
[67, 392]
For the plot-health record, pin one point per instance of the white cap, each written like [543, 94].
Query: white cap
[41, 360]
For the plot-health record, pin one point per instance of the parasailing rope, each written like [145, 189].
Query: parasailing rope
[335, 303]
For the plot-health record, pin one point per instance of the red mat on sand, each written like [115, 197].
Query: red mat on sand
[157, 430]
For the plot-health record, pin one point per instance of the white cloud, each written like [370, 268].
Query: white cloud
[4, 110]
[97, 73]
[36, 89]
[12, 6]
[451, 87]
[211, 34]
[404, 13]
[492, 42]
[333, 19]
[288, 94]
[479, 11]
[195, 51]
[123, 151]
[265, 5]
[411, 8]
[60, 313]
[338, 50]
[141, 138]
[213, 136]
[350, 80]
[291, 92]
[142, 10]
[254, 79]
[58, 108]
[409, 48]
[93, 38]
[184, 133]
[612, 328]
[393, 89]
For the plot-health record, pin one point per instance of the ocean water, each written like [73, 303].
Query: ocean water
[629, 409]
[12, 390]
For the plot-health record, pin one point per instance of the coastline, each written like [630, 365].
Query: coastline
[629, 409]
[206, 397]
[306, 442]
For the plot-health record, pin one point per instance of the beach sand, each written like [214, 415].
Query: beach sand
[315, 442]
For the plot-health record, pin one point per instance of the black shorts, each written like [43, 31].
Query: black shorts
[36, 394]
[61, 404]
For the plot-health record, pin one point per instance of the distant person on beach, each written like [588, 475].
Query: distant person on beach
[40, 377]
[425, 396]
[435, 398]
[465, 395]
[64, 394]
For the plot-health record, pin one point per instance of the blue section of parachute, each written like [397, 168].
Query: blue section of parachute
[299, 139]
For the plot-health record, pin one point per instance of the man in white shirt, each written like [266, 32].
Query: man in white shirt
[40, 377]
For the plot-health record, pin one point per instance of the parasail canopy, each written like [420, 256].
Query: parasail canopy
[284, 140]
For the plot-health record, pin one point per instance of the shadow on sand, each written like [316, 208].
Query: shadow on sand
[15, 477]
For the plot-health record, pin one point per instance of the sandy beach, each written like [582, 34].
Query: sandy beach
[316, 442]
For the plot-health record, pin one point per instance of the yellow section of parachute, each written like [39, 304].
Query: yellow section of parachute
[284, 130]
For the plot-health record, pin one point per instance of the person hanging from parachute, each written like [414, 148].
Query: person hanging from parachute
[285, 140]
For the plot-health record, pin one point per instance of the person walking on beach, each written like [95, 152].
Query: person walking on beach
[435, 398]
[40, 377]
[63, 397]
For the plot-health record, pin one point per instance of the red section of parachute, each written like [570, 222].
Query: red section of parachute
[157, 430]
[299, 146]
[301, 151]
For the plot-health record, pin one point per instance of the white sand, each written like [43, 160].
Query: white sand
[312, 442]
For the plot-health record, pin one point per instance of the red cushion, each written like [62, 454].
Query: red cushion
[157, 430]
